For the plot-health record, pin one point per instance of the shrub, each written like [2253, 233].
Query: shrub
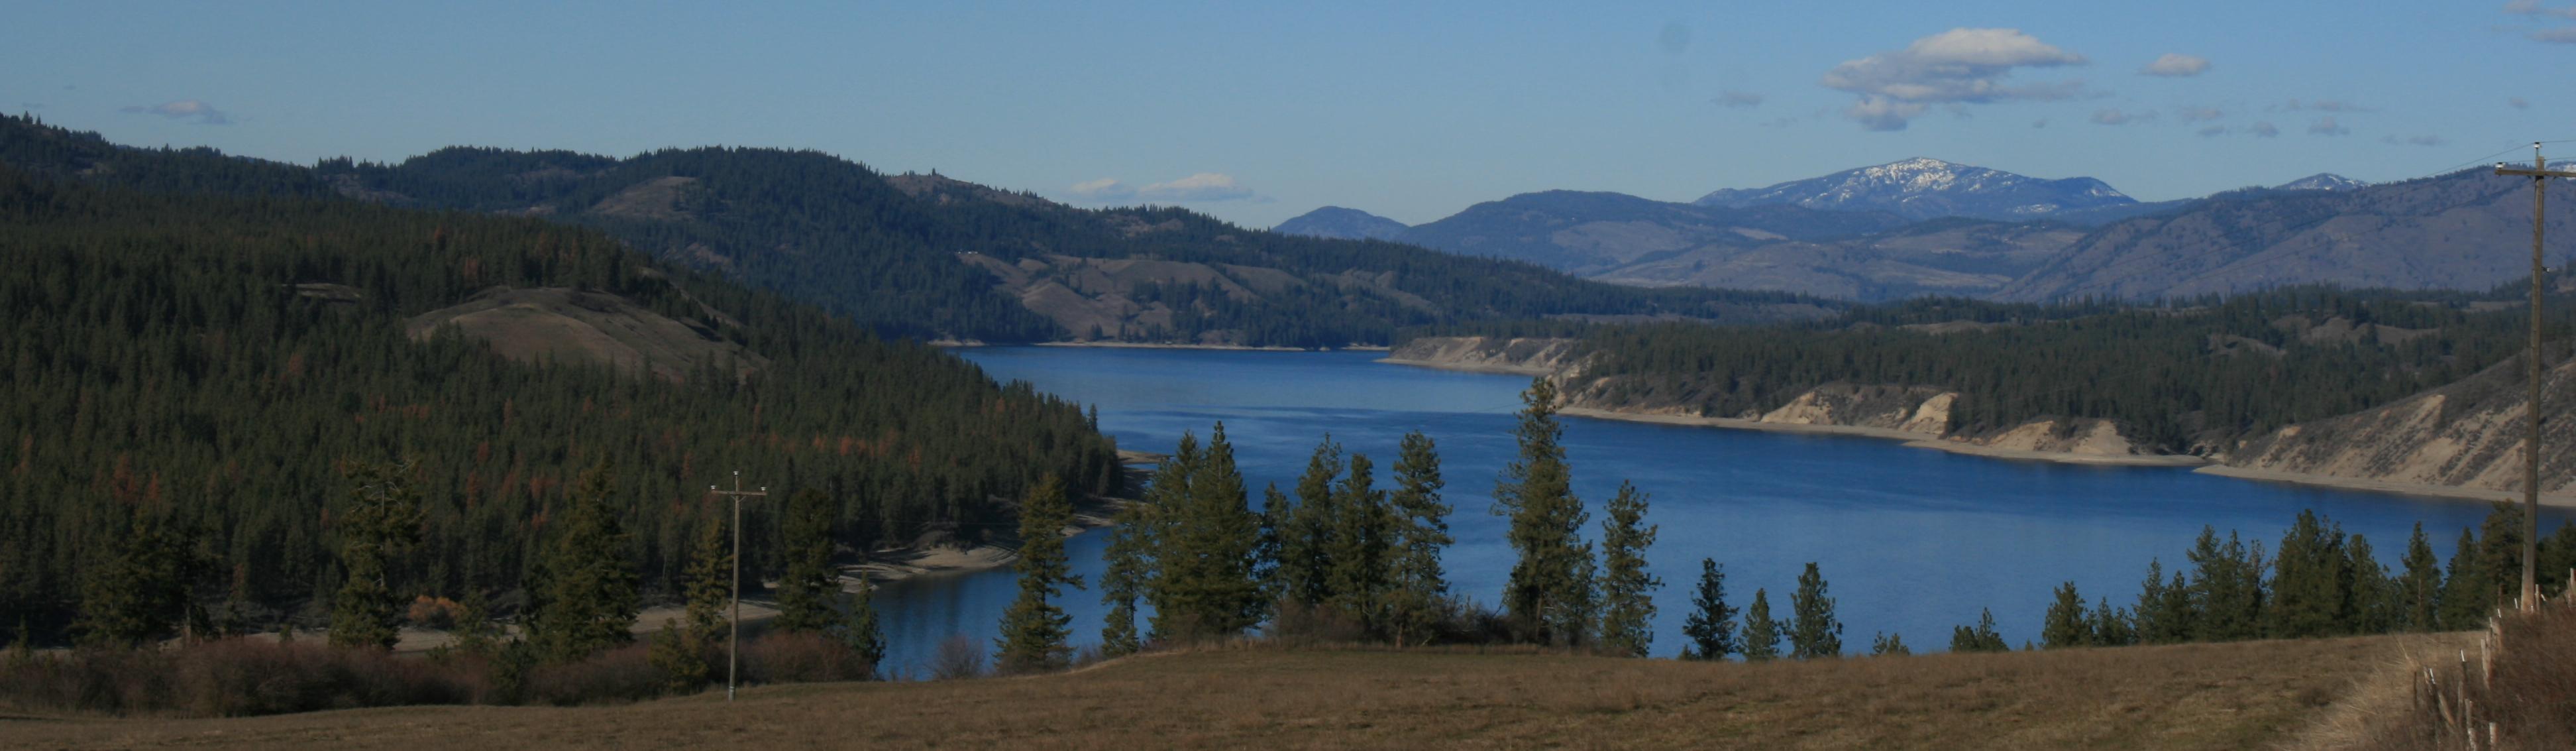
[617, 674]
[958, 657]
[800, 657]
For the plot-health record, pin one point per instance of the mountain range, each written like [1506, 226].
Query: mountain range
[1929, 227]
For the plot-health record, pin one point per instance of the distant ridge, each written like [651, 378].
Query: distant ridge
[1923, 188]
[1337, 223]
[2322, 181]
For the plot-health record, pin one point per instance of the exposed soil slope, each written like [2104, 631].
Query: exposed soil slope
[565, 324]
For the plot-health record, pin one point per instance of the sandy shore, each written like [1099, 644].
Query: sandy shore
[1912, 439]
[1468, 367]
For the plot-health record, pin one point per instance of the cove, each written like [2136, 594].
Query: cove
[1911, 541]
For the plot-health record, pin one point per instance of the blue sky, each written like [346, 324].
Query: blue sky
[1259, 112]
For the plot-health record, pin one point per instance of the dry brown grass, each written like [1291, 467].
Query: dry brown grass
[2219, 696]
[2468, 693]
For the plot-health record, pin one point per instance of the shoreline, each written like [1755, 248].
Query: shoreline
[972, 344]
[1469, 367]
[1910, 439]
[2443, 492]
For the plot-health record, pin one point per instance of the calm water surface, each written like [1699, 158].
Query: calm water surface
[1911, 541]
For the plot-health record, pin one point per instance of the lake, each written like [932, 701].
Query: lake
[1911, 541]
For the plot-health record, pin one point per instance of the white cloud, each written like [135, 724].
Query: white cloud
[2213, 130]
[2116, 117]
[2324, 105]
[2173, 65]
[1738, 99]
[2561, 35]
[2039, 123]
[1959, 66]
[2198, 114]
[1204, 186]
[2262, 130]
[1103, 189]
[2414, 141]
[205, 114]
[2534, 8]
[2326, 126]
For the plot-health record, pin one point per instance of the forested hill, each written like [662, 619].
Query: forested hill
[193, 368]
[2186, 378]
[927, 257]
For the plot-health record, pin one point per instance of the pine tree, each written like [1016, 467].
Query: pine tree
[1034, 629]
[2419, 588]
[1549, 594]
[1888, 645]
[2112, 627]
[590, 585]
[810, 586]
[1122, 582]
[141, 591]
[1711, 624]
[2557, 560]
[1982, 638]
[2065, 625]
[1421, 533]
[2310, 583]
[2227, 588]
[1306, 536]
[2163, 611]
[859, 630]
[1761, 633]
[1356, 554]
[2500, 557]
[710, 585]
[1814, 633]
[2465, 599]
[2370, 597]
[1627, 599]
[1203, 585]
[382, 521]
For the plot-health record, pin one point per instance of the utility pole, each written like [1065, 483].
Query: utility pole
[2539, 174]
[733, 645]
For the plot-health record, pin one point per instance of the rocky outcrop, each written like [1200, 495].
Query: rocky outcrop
[2467, 435]
[1911, 409]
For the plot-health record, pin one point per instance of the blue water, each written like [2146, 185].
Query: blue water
[1911, 541]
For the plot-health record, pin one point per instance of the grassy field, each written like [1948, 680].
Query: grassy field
[2215, 696]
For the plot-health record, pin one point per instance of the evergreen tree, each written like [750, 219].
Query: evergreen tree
[1761, 633]
[2164, 610]
[2371, 597]
[2065, 625]
[1306, 537]
[1421, 533]
[1269, 551]
[2227, 588]
[2465, 599]
[710, 585]
[2558, 560]
[1814, 633]
[1711, 624]
[1627, 599]
[1888, 645]
[1356, 555]
[2500, 557]
[141, 591]
[2112, 627]
[382, 520]
[1203, 586]
[2311, 584]
[1982, 638]
[590, 584]
[1549, 594]
[860, 631]
[810, 586]
[1034, 629]
[2419, 588]
[1122, 582]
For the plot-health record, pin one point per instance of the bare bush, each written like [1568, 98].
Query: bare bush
[958, 657]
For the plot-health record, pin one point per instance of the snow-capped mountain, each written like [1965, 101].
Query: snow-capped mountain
[1340, 223]
[2322, 181]
[1928, 188]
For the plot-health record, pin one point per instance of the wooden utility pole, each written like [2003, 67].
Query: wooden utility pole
[733, 645]
[2539, 174]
